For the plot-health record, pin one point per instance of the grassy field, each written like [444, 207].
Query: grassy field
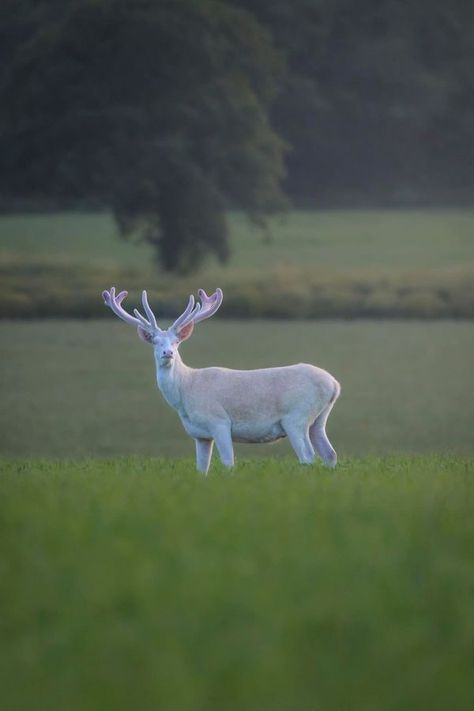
[135, 583]
[409, 263]
[336, 240]
[129, 581]
[87, 388]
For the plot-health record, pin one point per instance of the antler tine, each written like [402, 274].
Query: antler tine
[188, 314]
[210, 304]
[142, 319]
[148, 311]
[114, 301]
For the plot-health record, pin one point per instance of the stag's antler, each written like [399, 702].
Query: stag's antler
[193, 312]
[114, 302]
[199, 312]
[188, 314]
[209, 304]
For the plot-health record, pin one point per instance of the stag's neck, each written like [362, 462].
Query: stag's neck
[171, 380]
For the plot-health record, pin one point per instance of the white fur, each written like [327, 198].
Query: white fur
[224, 406]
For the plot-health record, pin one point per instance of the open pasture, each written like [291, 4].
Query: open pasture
[87, 388]
[335, 240]
[135, 583]
[131, 581]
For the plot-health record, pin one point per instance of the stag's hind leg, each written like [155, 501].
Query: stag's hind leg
[319, 438]
[299, 439]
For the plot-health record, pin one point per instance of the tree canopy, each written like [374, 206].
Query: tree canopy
[171, 111]
[156, 109]
[378, 99]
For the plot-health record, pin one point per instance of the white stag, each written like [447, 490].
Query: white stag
[224, 406]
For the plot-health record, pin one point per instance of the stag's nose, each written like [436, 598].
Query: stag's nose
[167, 353]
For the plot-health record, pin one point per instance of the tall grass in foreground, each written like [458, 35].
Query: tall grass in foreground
[135, 583]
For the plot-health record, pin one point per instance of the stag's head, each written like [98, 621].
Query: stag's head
[165, 342]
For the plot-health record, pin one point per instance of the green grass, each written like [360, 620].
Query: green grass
[136, 583]
[76, 237]
[377, 263]
[336, 240]
[87, 388]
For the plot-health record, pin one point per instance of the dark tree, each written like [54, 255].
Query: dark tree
[378, 98]
[158, 110]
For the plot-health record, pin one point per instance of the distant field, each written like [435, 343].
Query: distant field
[135, 583]
[328, 239]
[75, 388]
[375, 263]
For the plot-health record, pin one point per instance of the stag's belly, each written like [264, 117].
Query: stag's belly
[256, 434]
[244, 432]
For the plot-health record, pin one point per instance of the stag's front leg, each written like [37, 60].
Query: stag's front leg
[223, 439]
[203, 454]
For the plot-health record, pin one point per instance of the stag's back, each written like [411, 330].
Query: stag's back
[248, 395]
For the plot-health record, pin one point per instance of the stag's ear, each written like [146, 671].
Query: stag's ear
[185, 332]
[145, 335]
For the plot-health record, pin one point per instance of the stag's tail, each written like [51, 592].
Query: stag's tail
[317, 431]
[336, 393]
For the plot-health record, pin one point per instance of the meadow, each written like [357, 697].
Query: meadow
[334, 239]
[135, 583]
[128, 580]
[87, 388]
[329, 263]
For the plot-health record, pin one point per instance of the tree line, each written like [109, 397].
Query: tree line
[169, 112]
